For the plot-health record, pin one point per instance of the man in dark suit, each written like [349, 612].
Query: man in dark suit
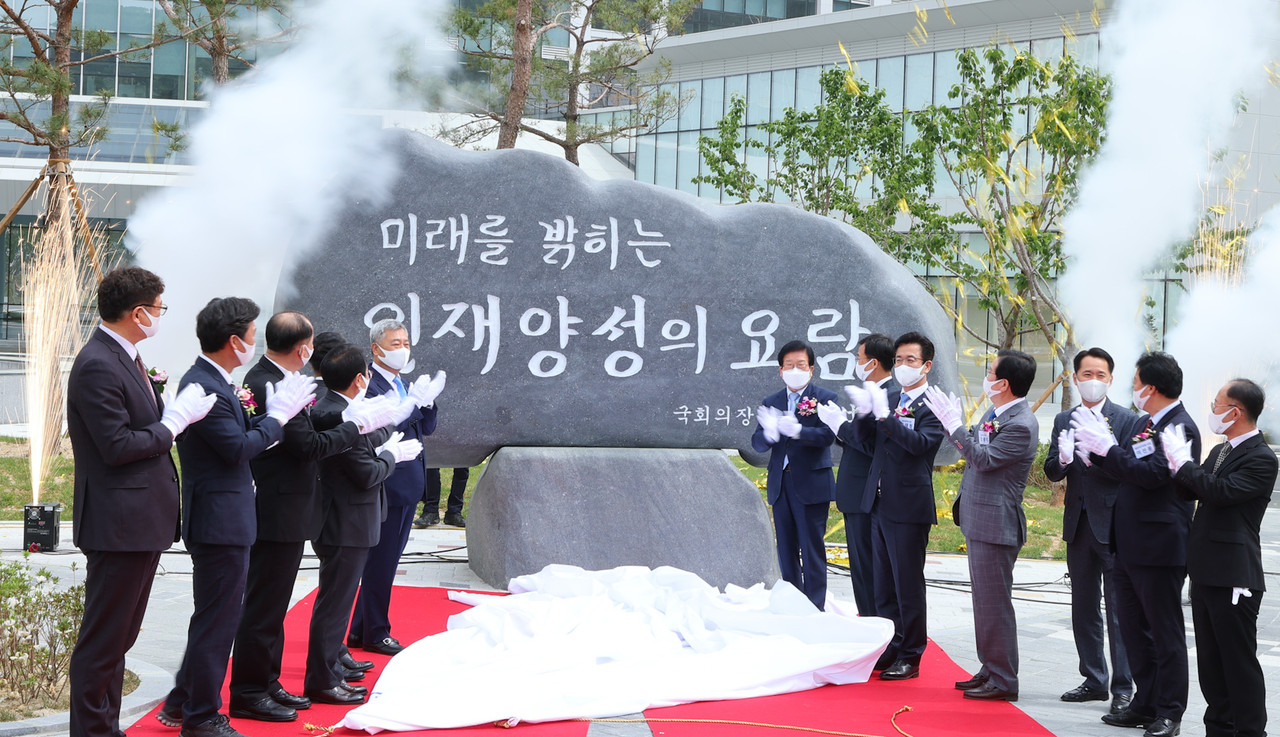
[1150, 529]
[371, 622]
[899, 497]
[352, 506]
[998, 453]
[875, 366]
[219, 520]
[1086, 528]
[1233, 488]
[126, 488]
[800, 483]
[285, 476]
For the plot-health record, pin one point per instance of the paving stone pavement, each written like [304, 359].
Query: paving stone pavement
[436, 557]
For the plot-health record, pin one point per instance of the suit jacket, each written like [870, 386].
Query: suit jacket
[1151, 524]
[902, 464]
[126, 486]
[995, 477]
[217, 491]
[286, 475]
[1088, 487]
[1226, 548]
[855, 464]
[353, 501]
[407, 484]
[809, 455]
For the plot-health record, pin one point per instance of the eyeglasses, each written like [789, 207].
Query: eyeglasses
[909, 360]
[1213, 406]
[163, 308]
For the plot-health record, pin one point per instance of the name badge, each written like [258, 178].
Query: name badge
[908, 422]
[984, 437]
[1144, 448]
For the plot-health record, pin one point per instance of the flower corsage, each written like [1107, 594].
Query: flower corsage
[246, 400]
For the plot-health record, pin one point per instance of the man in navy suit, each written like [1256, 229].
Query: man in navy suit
[1233, 487]
[801, 485]
[126, 488]
[219, 521]
[371, 622]
[875, 366]
[1151, 526]
[1086, 528]
[899, 497]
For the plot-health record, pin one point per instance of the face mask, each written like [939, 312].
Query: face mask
[1140, 401]
[306, 354]
[863, 371]
[154, 326]
[908, 375]
[796, 379]
[1092, 390]
[245, 356]
[395, 360]
[988, 387]
[1217, 425]
[361, 391]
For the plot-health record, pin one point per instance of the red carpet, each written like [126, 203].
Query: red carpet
[937, 708]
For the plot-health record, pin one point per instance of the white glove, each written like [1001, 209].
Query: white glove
[371, 413]
[879, 401]
[1091, 433]
[832, 415]
[1083, 455]
[1177, 448]
[424, 391]
[768, 419]
[1238, 592]
[861, 399]
[289, 396]
[788, 425]
[191, 405]
[405, 450]
[1066, 446]
[946, 409]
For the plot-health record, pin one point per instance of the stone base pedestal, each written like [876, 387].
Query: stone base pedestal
[606, 507]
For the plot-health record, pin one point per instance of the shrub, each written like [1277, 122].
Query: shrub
[39, 623]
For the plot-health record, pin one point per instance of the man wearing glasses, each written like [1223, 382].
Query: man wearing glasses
[126, 488]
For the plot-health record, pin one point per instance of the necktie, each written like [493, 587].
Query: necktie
[137, 360]
[903, 400]
[400, 387]
[1222, 454]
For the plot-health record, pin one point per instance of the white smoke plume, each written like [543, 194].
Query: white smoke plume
[273, 158]
[1177, 67]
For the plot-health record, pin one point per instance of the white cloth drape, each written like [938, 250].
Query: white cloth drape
[572, 643]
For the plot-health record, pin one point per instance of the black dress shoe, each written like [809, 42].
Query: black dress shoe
[886, 659]
[900, 671]
[219, 726]
[347, 674]
[350, 663]
[1120, 703]
[455, 520]
[361, 690]
[1128, 718]
[1084, 693]
[976, 680]
[169, 718]
[989, 692]
[354, 640]
[293, 701]
[1163, 727]
[335, 695]
[388, 646]
[264, 709]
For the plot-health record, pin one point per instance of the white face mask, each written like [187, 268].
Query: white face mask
[1092, 390]
[245, 356]
[863, 370]
[1140, 401]
[395, 360]
[306, 354]
[796, 378]
[151, 329]
[908, 375]
[1217, 425]
[988, 387]
[360, 393]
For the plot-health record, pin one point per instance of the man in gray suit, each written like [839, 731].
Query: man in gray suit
[998, 452]
[1086, 528]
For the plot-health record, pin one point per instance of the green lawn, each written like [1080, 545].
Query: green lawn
[1044, 522]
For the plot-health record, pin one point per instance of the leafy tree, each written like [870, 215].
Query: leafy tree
[1012, 142]
[505, 40]
[218, 27]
